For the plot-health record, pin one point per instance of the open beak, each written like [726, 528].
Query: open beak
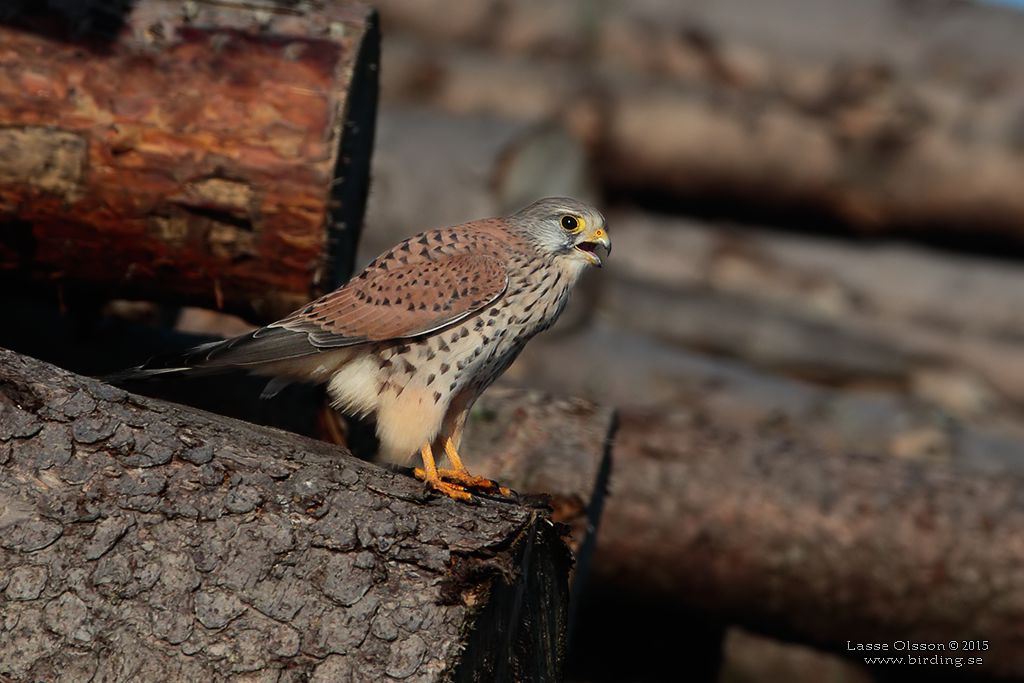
[592, 243]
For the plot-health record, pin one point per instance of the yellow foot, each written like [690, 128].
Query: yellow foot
[451, 490]
[430, 476]
[471, 481]
[460, 475]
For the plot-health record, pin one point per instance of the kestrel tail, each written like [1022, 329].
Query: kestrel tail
[423, 330]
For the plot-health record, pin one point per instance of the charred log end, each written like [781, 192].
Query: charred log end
[520, 630]
[557, 450]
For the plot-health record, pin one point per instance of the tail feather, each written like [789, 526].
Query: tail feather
[248, 352]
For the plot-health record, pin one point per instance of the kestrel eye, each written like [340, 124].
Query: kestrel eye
[570, 223]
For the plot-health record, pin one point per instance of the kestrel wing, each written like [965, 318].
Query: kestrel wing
[407, 292]
[392, 302]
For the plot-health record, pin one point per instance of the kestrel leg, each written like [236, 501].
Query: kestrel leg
[458, 472]
[460, 475]
[430, 475]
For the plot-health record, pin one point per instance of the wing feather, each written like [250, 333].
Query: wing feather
[401, 302]
[407, 292]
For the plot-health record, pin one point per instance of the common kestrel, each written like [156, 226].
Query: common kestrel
[424, 329]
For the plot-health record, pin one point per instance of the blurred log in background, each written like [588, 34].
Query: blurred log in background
[885, 115]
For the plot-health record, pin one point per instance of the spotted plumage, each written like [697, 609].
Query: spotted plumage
[426, 327]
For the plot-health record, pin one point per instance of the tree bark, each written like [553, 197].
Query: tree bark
[215, 154]
[145, 540]
[751, 526]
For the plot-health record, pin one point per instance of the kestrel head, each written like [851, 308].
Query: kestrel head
[565, 228]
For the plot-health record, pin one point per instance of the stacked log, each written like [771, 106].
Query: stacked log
[199, 153]
[881, 115]
[750, 525]
[147, 540]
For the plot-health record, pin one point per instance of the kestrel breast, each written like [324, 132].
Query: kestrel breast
[474, 352]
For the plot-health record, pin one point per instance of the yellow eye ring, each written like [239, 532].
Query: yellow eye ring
[572, 223]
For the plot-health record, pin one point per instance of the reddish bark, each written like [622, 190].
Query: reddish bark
[218, 159]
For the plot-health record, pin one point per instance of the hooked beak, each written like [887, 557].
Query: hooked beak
[590, 244]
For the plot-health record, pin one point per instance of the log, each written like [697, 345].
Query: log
[938, 326]
[203, 153]
[747, 656]
[555, 448]
[552, 451]
[145, 540]
[877, 116]
[749, 525]
[639, 373]
[853, 114]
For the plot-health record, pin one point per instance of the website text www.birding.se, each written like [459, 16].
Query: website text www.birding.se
[954, 653]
